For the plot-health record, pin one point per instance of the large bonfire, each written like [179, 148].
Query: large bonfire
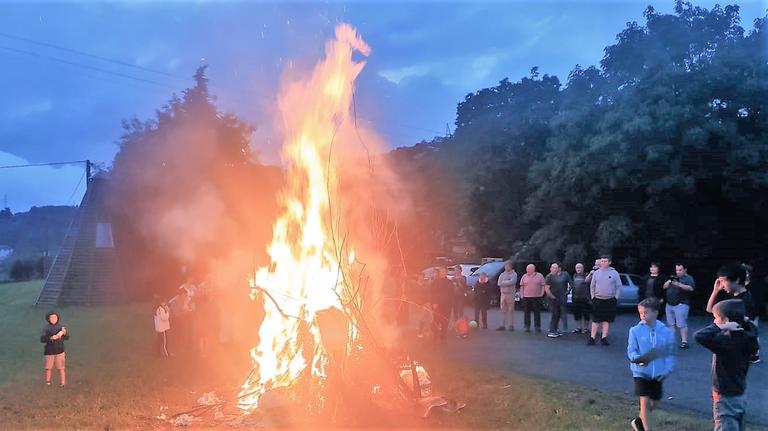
[311, 262]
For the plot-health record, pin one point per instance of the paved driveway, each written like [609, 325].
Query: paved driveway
[569, 359]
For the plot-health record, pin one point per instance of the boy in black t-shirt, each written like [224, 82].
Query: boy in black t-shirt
[730, 285]
[732, 339]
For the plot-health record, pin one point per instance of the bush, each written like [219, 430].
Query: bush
[22, 270]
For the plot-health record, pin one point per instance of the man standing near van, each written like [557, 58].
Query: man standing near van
[679, 288]
[507, 282]
[605, 287]
[556, 287]
[531, 291]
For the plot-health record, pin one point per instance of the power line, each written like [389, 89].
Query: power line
[86, 54]
[139, 79]
[77, 187]
[29, 165]
[84, 66]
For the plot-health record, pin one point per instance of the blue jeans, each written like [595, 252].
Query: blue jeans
[729, 413]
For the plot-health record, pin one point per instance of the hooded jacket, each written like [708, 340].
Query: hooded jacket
[53, 347]
[642, 339]
[730, 359]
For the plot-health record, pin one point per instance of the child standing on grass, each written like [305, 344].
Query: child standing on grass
[54, 334]
[162, 326]
[650, 349]
[732, 340]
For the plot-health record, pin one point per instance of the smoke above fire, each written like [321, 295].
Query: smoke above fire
[325, 254]
[190, 200]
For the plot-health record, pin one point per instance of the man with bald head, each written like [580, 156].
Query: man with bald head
[531, 291]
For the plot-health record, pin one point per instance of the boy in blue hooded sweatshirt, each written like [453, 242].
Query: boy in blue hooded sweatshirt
[650, 348]
[53, 335]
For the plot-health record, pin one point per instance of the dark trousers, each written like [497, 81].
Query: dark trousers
[532, 305]
[555, 308]
[458, 307]
[481, 312]
[162, 344]
[440, 322]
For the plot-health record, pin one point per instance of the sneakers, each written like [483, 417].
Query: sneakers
[47, 383]
[591, 341]
[637, 424]
[683, 345]
[551, 334]
[501, 328]
[755, 359]
[604, 341]
[576, 331]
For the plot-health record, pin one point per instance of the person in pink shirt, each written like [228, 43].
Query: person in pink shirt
[531, 291]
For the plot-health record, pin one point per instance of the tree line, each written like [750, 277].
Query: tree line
[658, 153]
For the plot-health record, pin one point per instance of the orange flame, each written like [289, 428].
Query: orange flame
[307, 263]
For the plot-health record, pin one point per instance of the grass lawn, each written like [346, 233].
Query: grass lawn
[115, 381]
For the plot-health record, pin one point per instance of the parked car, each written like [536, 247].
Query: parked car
[466, 269]
[492, 270]
[630, 288]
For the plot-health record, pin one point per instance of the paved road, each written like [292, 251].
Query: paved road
[569, 359]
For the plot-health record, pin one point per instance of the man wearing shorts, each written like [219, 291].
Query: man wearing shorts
[54, 334]
[507, 282]
[679, 288]
[604, 287]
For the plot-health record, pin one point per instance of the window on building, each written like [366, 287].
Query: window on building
[104, 235]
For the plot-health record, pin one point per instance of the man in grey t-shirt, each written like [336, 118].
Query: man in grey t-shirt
[679, 289]
[604, 288]
[507, 282]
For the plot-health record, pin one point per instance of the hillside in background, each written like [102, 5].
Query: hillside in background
[35, 233]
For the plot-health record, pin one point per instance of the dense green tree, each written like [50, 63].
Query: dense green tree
[186, 190]
[659, 153]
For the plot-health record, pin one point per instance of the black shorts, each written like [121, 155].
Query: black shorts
[603, 310]
[648, 388]
[580, 307]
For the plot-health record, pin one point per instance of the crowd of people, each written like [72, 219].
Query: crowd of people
[652, 346]
[735, 304]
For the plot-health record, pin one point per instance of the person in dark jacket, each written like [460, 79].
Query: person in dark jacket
[732, 340]
[731, 283]
[482, 299]
[53, 335]
[653, 287]
[442, 301]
